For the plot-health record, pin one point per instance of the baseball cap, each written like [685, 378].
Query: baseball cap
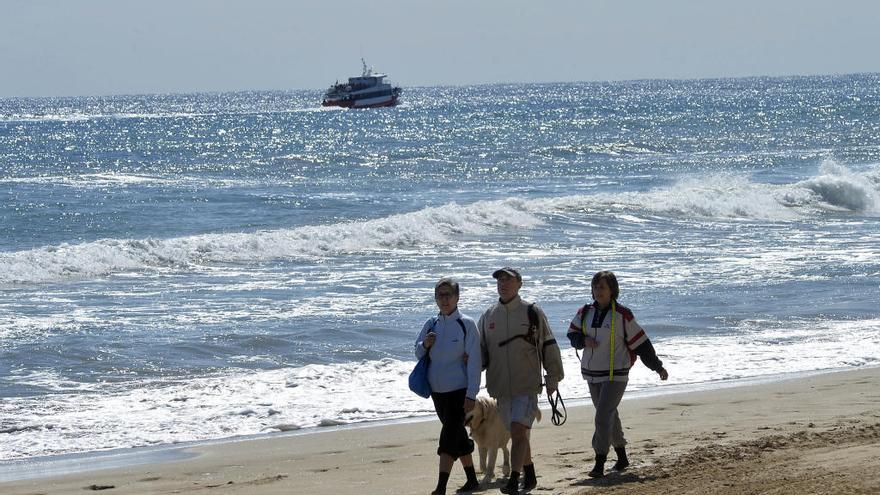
[513, 272]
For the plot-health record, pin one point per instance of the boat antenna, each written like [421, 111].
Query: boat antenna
[367, 71]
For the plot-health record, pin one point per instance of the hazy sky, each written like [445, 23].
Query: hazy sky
[99, 47]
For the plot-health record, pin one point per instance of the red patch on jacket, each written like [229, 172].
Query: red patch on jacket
[491, 325]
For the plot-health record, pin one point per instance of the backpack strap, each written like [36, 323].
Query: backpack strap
[613, 317]
[531, 334]
[533, 318]
[461, 324]
[534, 323]
[584, 311]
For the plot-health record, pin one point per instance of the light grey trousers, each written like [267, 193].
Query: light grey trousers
[606, 397]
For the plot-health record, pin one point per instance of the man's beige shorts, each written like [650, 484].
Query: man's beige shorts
[520, 409]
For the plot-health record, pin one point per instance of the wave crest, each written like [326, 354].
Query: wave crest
[838, 187]
[834, 188]
[728, 196]
[427, 227]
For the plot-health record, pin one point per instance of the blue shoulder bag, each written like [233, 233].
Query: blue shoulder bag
[418, 378]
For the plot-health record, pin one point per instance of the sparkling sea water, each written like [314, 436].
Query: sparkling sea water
[191, 267]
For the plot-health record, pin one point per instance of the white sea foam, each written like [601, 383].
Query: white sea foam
[251, 402]
[115, 179]
[48, 117]
[839, 187]
[96, 180]
[211, 407]
[727, 196]
[79, 117]
[712, 197]
[121, 179]
[719, 196]
[427, 227]
[316, 109]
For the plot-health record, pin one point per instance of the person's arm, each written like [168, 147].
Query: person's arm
[484, 350]
[474, 361]
[645, 351]
[551, 355]
[419, 348]
[637, 340]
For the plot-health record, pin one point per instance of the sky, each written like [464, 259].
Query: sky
[106, 47]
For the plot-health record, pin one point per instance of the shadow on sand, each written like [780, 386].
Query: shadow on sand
[613, 479]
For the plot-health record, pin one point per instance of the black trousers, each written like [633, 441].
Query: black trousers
[454, 439]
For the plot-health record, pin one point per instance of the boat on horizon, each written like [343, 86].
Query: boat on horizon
[365, 91]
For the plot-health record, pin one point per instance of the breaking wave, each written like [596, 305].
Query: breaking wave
[427, 227]
[717, 197]
[838, 187]
[835, 188]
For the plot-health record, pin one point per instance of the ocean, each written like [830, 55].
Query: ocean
[178, 268]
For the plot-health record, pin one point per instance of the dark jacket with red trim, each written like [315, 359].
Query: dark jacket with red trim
[630, 341]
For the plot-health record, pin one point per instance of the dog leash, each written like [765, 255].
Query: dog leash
[557, 418]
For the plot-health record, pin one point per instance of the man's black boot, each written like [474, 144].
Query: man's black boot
[599, 469]
[622, 462]
[512, 486]
[530, 480]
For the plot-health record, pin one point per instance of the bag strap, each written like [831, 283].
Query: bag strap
[530, 335]
[463, 329]
[533, 318]
[613, 317]
[584, 312]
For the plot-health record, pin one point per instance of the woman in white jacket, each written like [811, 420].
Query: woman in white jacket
[610, 339]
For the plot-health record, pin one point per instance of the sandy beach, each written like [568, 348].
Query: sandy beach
[818, 434]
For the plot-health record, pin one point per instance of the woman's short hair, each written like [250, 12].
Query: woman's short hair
[609, 279]
[447, 282]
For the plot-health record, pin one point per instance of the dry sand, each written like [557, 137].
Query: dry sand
[811, 435]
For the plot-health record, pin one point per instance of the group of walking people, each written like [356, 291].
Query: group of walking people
[513, 343]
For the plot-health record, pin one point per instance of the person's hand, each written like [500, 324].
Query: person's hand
[663, 373]
[551, 389]
[591, 343]
[468, 405]
[429, 340]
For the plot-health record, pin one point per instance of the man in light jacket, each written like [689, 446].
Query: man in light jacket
[516, 342]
